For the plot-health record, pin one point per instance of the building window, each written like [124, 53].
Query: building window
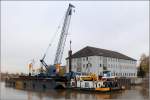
[100, 65]
[119, 74]
[83, 65]
[107, 59]
[116, 74]
[90, 58]
[127, 74]
[90, 65]
[86, 58]
[83, 59]
[86, 65]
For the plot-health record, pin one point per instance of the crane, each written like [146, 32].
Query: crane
[63, 36]
[62, 40]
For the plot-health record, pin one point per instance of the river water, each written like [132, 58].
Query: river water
[8, 93]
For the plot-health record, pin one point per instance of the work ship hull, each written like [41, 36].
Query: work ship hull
[34, 83]
[29, 82]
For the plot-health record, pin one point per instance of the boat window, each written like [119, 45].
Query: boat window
[44, 86]
[111, 84]
[14, 84]
[24, 85]
[99, 85]
[33, 85]
[86, 84]
[73, 83]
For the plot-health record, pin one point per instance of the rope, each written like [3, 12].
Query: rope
[53, 37]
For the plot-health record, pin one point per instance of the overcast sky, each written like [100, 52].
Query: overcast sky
[27, 27]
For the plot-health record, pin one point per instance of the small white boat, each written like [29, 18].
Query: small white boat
[91, 82]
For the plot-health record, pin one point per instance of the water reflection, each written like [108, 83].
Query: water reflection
[136, 92]
[72, 94]
[29, 94]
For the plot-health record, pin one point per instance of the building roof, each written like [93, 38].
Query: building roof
[93, 51]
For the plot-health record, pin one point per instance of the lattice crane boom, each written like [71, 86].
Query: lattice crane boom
[63, 36]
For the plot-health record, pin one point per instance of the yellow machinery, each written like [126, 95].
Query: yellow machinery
[57, 68]
[94, 77]
[31, 70]
[90, 77]
[30, 67]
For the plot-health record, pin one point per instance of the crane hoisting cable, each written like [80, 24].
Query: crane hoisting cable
[53, 37]
[62, 40]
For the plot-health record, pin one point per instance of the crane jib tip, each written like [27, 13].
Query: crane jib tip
[71, 5]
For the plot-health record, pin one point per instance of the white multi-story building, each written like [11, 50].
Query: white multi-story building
[96, 60]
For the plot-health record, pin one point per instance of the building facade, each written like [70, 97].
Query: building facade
[96, 60]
